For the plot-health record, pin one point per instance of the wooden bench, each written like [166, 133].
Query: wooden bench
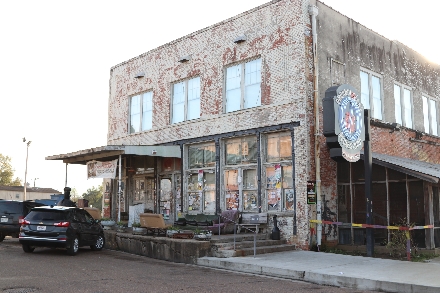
[252, 218]
[153, 223]
[252, 221]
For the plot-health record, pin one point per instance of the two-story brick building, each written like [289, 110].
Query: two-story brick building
[241, 102]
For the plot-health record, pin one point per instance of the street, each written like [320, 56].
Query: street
[51, 270]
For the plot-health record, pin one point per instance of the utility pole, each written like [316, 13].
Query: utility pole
[25, 172]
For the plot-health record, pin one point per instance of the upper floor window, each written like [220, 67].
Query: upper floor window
[402, 102]
[186, 100]
[430, 115]
[141, 112]
[243, 86]
[371, 93]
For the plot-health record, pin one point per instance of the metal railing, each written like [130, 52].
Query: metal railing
[240, 225]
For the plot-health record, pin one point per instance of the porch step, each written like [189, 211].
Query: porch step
[223, 253]
[223, 247]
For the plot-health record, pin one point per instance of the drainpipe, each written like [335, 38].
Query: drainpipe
[119, 189]
[313, 11]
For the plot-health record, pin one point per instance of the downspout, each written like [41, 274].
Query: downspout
[313, 11]
[119, 189]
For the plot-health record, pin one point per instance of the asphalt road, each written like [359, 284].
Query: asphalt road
[51, 270]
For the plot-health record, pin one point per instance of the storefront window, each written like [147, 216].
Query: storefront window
[241, 150]
[279, 147]
[201, 189]
[201, 156]
[232, 190]
[279, 188]
[250, 202]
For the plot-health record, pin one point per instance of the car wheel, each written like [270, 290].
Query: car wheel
[74, 246]
[100, 241]
[2, 237]
[28, 248]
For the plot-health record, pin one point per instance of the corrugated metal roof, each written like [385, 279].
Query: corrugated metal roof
[419, 169]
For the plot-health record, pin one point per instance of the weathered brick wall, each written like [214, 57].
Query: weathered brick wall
[349, 42]
[278, 33]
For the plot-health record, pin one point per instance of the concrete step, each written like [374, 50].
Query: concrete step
[238, 237]
[247, 244]
[223, 253]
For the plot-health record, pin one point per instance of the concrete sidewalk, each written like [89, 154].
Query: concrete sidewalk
[357, 272]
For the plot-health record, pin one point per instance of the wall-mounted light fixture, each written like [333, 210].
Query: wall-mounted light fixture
[153, 152]
[139, 75]
[240, 39]
[185, 59]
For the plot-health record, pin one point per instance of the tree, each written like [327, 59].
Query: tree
[74, 196]
[7, 173]
[94, 196]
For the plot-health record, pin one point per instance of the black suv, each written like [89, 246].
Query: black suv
[59, 226]
[12, 213]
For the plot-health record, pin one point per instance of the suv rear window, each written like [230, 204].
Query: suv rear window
[11, 207]
[45, 215]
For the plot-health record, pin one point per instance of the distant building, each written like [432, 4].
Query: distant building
[32, 193]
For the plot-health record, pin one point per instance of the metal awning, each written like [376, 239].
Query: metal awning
[111, 152]
[426, 171]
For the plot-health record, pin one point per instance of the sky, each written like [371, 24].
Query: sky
[55, 60]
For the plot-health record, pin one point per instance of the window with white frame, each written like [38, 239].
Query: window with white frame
[403, 105]
[371, 92]
[430, 115]
[141, 112]
[243, 86]
[186, 100]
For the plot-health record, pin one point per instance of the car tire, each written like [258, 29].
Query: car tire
[99, 244]
[74, 246]
[27, 248]
[2, 237]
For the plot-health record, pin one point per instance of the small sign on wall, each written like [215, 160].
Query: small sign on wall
[311, 193]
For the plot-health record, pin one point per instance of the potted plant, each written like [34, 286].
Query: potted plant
[172, 230]
[121, 226]
[137, 229]
[107, 223]
[202, 234]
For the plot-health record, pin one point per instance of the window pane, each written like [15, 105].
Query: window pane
[233, 152]
[233, 90]
[209, 201]
[250, 179]
[194, 200]
[193, 98]
[365, 90]
[249, 150]
[272, 149]
[250, 200]
[407, 107]
[147, 111]
[252, 96]
[135, 115]
[287, 177]
[233, 100]
[398, 106]
[377, 101]
[209, 156]
[433, 110]
[178, 102]
[231, 180]
[285, 148]
[195, 157]
[425, 114]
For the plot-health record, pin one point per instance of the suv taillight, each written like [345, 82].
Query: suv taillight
[20, 220]
[62, 224]
[24, 222]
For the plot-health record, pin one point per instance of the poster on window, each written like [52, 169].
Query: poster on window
[96, 169]
[200, 180]
[232, 201]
